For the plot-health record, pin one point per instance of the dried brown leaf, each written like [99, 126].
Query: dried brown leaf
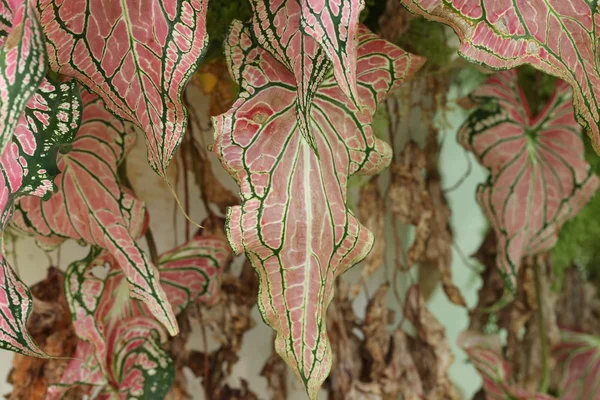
[275, 372]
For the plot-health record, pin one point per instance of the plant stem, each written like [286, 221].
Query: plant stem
[541, 328]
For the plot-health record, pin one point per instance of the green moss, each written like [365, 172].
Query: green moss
[219, 17]
[578, 240]
[428, 39]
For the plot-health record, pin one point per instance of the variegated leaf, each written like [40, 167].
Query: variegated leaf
[538, 175]
[557, 37]
[293, 224]
[334, 25]
[578, 357]
[276, 27]
[485, 354]
[136, 55]
[28, 166]
[91, 206]
[22, 63]
[140, 367]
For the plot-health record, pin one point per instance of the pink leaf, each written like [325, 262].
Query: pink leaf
[538, 175]
[91, 205]
[22, 63]
[136, 55]
[578, 357]
[557, 37]
[28, 166]
[485, 354]
[334, 25]
[293, 224]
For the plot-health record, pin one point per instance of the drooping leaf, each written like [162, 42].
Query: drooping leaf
[538, 175]
[557, 37]
[137, 56]
[22, 63]
[578, 357]
[28, 165]
[334, 25]
[276, 27]
[485, 353]
[293, 224]
[90, 205]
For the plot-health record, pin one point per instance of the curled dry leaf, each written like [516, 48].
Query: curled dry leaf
[51, 328]
[429, 348]
[371, 210]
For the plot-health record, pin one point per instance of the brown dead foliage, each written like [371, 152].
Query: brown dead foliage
[417, 199]
[394, 21]
[50, 326]
[372, 362]
[214, 80]
[275, 372]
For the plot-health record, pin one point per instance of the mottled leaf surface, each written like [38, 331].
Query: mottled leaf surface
[136, 55]
[28, 165]
[578, 357]
[538, 175]
[22, 63]
[92, 206]
[485, 354]
[293, 223]
[557, 37]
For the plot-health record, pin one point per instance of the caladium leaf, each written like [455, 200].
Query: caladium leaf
[559, 38]
[294, 224]
[90, 205]
[22, 63]
[538, 175]
[334, 25]
[140, 367]
[485, 354]
[578, 357]
[28, 166]
[276, 26]
[137, 56]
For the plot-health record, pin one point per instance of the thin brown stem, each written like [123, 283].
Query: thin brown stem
[542, 332]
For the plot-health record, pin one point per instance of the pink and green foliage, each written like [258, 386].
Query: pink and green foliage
[294, 224]
[578, 357]
[334, 25]
[48, 123]
[136, 55]
[557, 37]
[486, 355]
[120, 343]
[538, 175]
[92, 206]
[22, 63]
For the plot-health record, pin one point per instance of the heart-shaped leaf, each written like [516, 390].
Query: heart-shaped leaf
[136, 55]
[28, 165]
[90, 205]
[558, 37]
[294, 224]
[22, 63]
[538, 175]
[578, 357]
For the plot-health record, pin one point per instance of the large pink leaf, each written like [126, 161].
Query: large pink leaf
[28, 165]
[136, 55]
[334, 25]
[578, 357]
[538, 175]
[557, 37]
[294, 224]
[485, 354]
[90, 205]
[22, 63]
